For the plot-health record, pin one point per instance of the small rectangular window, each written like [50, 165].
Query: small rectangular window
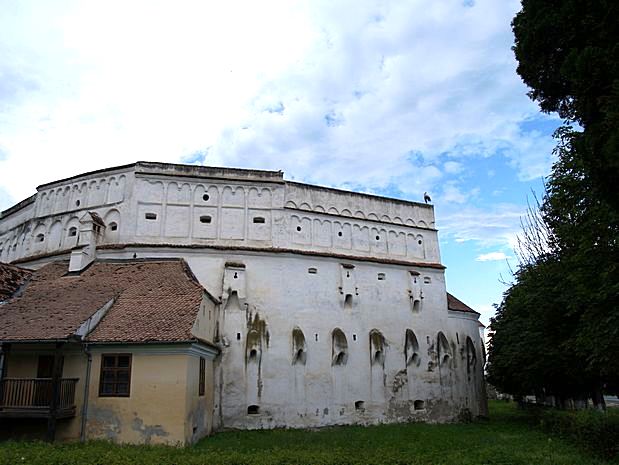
[205, 219]
[259, 219]
[202, 380]
[150, 216]
[115, 378]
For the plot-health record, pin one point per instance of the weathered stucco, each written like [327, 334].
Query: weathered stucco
[163, 405]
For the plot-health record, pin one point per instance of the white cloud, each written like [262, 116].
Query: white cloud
[497, 225]
[453, 167]
[492, 257]
[357, 93]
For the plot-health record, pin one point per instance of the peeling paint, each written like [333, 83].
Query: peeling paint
[147, 431]
[104, 423]
[399, 381]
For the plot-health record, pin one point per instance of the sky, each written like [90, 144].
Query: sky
[394, 98]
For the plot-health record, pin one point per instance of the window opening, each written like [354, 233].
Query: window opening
[72, 231]
[150, 216]
[259, 220]
[339, 233]
[359, 405]
[202, 379]
[419, 405]
[40, 238]
[381, 276]
[115, 378]
[205, 197]
[299, 228]
[205, 219]
[113, 226]
[253, 410]
[77, 203]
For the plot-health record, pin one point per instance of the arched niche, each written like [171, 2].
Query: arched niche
[233, 196]
[39, 238]
[178, 193]
[411, 349]
[71, 232]
[253, 347]
[112, 223]
[339, 348]
[259, 197]
[377, 348]
[471, 357]
[443, 350]
[54, 237]
[299, 347]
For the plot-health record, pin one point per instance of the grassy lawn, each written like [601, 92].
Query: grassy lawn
[507, 438]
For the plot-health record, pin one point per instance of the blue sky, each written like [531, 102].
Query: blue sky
[388, 97]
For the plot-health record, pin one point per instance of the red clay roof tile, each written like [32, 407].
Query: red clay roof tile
[154, 301]
[458, 306]
[11, 279]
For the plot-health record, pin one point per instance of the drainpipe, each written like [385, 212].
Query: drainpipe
[3, 353]
[2, 360]
[86, 390]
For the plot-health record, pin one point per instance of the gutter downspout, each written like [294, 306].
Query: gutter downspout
[86, 391]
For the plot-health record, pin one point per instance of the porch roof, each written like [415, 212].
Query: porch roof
[147, 301]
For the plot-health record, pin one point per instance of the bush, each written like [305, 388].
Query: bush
[596, 431]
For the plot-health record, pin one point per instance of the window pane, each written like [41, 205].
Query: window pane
[108, 376]
[122, 388]
[122, 376]
[109, 361]
[107, 388]
[123, 361]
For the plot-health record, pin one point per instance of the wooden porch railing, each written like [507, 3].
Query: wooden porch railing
[34, 396]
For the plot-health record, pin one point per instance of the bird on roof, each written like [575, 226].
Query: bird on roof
[426, 197]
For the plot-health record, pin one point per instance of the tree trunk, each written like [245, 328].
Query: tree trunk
[598, 399]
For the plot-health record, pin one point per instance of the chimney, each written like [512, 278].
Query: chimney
[91, 231]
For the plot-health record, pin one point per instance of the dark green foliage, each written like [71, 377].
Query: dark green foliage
[507, 439]
[557, 328]
[568, 54]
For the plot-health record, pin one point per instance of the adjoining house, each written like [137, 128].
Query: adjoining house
[119, 350]
[330, 307]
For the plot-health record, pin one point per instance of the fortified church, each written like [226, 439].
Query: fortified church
[155, 302]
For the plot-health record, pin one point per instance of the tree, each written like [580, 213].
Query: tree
[586, 238]
[568, 54]
[556, 331]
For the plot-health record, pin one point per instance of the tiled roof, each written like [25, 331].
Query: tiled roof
[11, 279]
[154, 300]
[458, 306]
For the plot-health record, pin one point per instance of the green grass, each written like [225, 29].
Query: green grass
[507, 438]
